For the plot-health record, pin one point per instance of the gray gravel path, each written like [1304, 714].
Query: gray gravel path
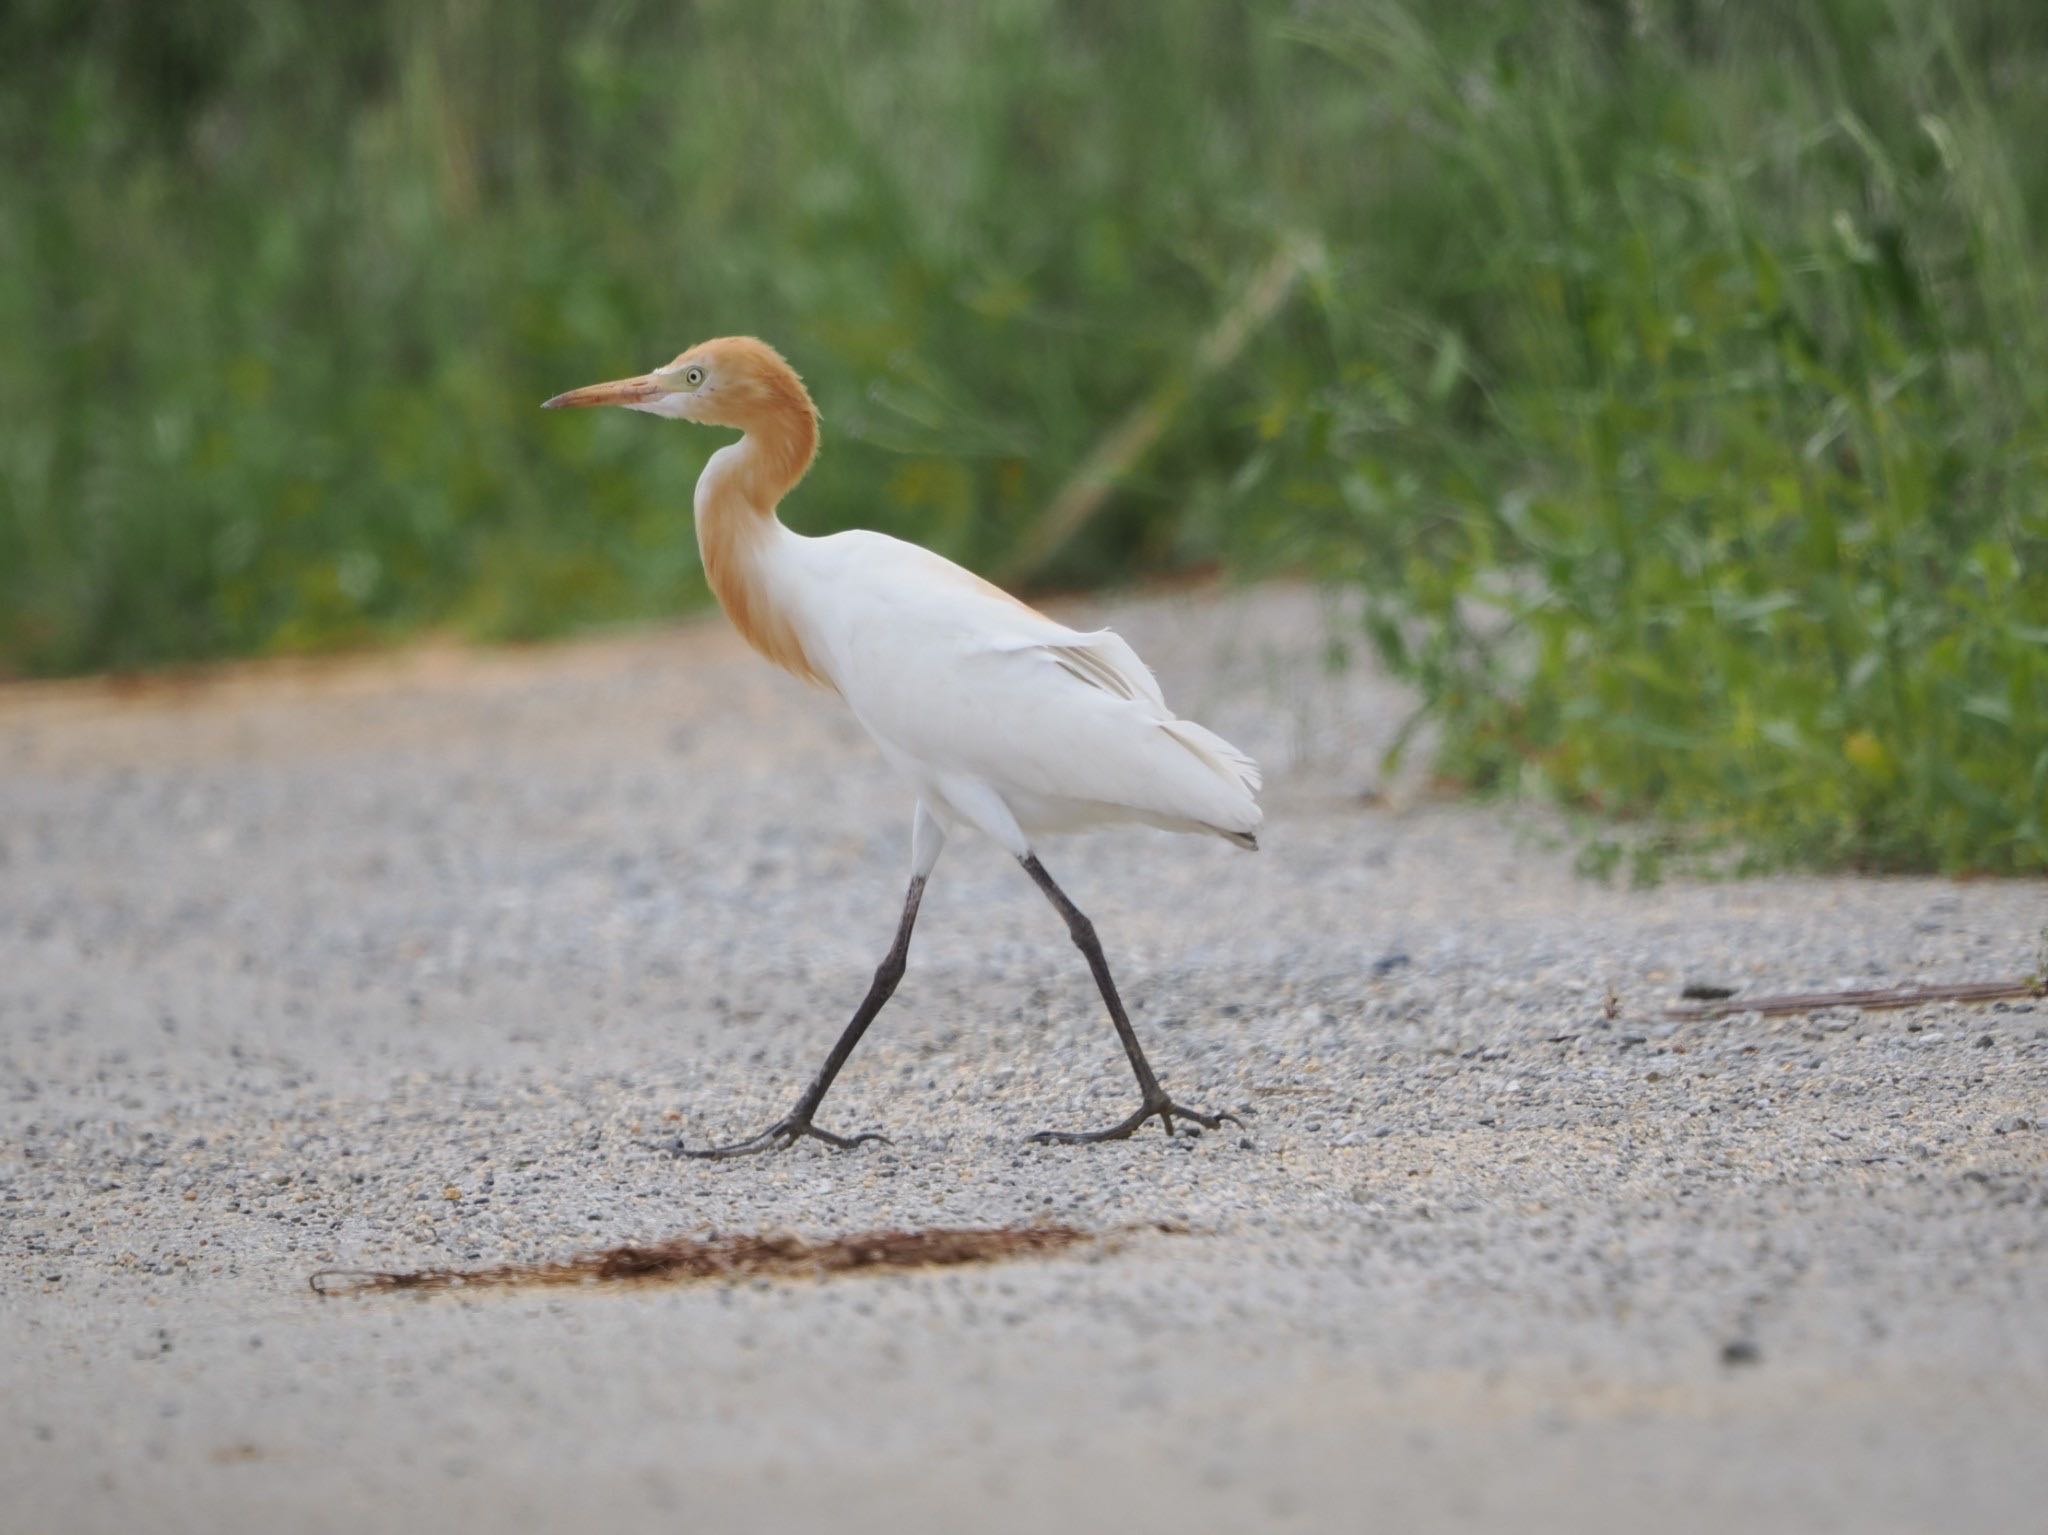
[417, 961]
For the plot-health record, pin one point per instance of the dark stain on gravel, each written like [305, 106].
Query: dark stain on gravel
[729, 1257]
[1740, 1351]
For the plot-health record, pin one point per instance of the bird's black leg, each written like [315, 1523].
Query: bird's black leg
[796, 1125]
[1153, 1102]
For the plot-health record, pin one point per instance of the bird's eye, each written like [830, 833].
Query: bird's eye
[693, 376]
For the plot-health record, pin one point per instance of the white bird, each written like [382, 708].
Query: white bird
[1000, 718]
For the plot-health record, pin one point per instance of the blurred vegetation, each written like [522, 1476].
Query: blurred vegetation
[1673, 381]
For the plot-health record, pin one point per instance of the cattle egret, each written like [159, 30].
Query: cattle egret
[999, 718]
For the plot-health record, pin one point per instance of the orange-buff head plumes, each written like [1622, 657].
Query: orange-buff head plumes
[733, 381]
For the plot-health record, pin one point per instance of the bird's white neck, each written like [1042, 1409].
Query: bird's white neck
[740, 538]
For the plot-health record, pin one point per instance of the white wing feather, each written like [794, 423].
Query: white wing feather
[959, 681]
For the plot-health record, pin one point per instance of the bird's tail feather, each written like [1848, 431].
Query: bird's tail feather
[1216, 753]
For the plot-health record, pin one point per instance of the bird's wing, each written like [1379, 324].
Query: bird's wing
[1102, 659]
[959, 676]
[957, 613]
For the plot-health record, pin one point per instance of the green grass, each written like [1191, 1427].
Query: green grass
[1675, 382]
[1733, 517]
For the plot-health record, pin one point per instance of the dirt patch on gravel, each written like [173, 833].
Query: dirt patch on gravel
[728, 1257]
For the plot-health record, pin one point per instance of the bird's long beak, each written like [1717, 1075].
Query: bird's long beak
[620, 391]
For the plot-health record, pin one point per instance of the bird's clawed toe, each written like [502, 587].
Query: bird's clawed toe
[1165, 1110]
[848, 1142]
[780, 1136]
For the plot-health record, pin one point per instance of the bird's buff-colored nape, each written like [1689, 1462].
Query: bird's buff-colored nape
[743, 383]
[750, 385]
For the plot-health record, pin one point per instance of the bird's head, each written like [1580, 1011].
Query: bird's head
[734, 381]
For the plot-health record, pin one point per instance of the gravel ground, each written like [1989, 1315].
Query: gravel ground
[421, 960]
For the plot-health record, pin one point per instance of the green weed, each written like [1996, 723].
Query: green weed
[1729, 512]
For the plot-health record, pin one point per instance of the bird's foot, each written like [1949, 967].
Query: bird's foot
[1163, 1109]
[780, 1136]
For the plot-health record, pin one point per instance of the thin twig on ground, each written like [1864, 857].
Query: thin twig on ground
[1877, 997]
